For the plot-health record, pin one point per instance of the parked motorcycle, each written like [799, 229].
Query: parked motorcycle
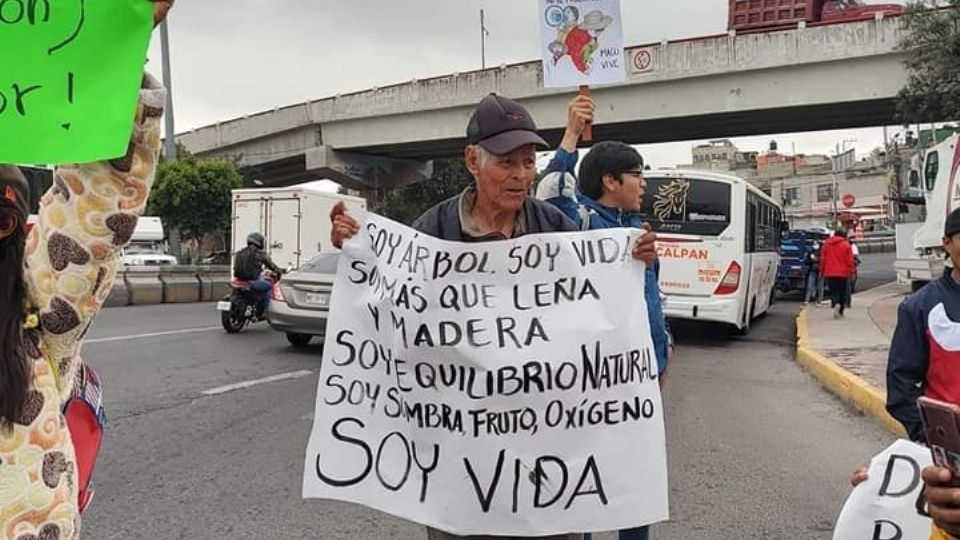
[243, 305]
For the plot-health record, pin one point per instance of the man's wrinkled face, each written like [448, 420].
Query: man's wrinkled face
[504, 180]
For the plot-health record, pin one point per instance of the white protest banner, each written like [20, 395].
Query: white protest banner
[505, 388]
[581, 42]
[885, 506]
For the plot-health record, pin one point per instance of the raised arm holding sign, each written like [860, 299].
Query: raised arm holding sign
[51, 416]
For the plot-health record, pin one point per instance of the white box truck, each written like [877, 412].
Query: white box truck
[295, 221]
[920, 255]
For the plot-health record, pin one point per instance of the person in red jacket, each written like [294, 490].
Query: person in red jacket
[836, 266]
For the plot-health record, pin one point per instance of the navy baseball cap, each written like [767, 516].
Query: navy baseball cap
[501, 125]
[952, 225]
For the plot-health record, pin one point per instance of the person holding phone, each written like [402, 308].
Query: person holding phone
[922, 363]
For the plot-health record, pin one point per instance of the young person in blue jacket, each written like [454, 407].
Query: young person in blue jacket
[608, 193]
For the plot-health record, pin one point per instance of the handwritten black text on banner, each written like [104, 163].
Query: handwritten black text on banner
[498, 388]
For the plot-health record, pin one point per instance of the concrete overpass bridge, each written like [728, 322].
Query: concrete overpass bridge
[804, 79]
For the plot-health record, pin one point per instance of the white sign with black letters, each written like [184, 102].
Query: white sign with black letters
[885, 506]
[504, 388]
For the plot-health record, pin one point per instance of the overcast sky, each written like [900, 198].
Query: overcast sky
[238, 57]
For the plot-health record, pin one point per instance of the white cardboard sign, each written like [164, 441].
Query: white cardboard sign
[885, 506]
[504, 388]
[581, 42]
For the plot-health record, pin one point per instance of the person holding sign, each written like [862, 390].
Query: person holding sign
[612, 177]
[610, 194]
[922, 362]
[53, 281]
[501, 155]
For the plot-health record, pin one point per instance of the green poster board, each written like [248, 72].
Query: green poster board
[70, 73]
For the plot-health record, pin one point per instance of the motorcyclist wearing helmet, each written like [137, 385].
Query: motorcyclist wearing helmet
[249, 262]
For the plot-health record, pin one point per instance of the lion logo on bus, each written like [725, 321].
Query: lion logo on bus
[671, 199]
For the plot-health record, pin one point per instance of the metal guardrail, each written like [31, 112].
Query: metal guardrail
[877, 245]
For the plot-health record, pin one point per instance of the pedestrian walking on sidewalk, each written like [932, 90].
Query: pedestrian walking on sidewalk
[608, 193]
[814, 289]
[836, 267]
[923, 362]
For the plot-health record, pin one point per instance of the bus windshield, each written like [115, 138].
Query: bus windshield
[687, 206]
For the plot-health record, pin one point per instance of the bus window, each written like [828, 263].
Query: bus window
[931, 168]
[682, 206]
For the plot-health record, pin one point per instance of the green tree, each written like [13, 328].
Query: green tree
[450, 177]
[931, 39]
[194, 196]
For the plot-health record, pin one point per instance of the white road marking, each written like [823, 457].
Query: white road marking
[248, 384]
[154, 334]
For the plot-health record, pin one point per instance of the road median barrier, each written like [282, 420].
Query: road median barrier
[150, 285]
[180, 284]
[144, 285]
[214, 282]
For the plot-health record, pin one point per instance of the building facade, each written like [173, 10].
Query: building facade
[815, 190]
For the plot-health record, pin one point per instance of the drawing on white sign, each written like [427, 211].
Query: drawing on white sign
[504, 388]
[885, 506]
[582, 42]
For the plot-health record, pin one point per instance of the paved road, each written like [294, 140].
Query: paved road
[876, 269]
[756, 448]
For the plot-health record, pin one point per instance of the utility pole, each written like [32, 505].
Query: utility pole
[836, 210]
[483, 41]
[170, 143]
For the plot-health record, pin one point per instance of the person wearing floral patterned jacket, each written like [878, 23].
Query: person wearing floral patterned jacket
[53, 281]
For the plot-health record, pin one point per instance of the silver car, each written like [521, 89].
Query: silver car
[300, 303]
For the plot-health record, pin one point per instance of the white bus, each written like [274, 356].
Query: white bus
[718, 240]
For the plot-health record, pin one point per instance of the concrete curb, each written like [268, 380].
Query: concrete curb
[849, 387]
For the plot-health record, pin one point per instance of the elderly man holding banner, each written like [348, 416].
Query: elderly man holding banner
[501, 155]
